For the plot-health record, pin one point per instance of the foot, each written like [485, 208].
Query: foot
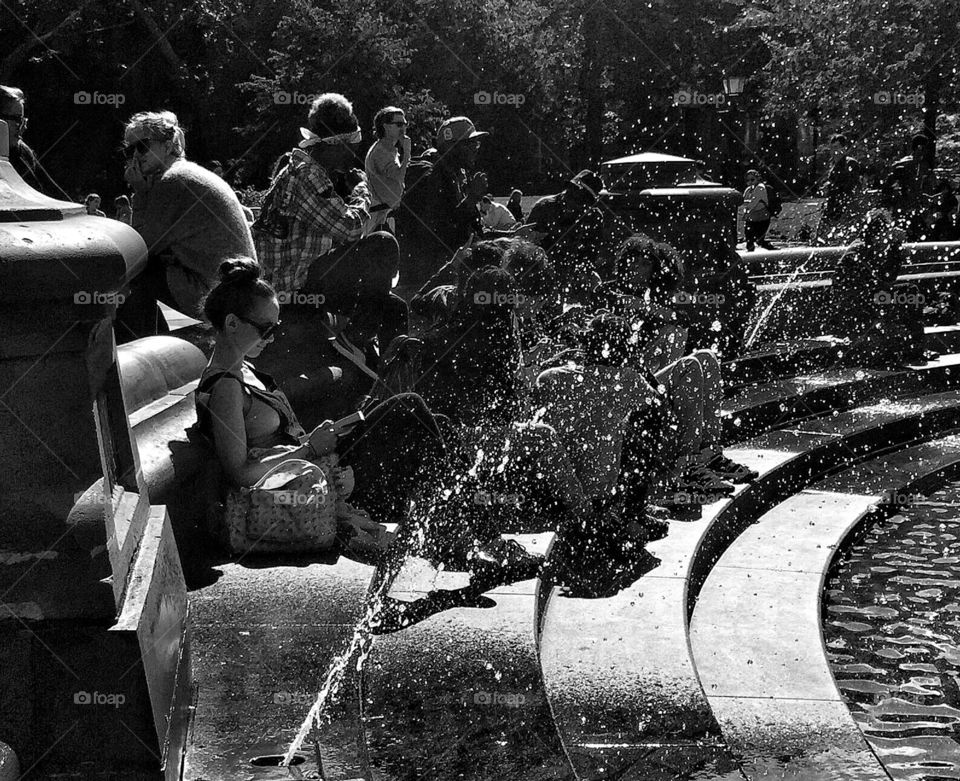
[703, 482]
[725, 468]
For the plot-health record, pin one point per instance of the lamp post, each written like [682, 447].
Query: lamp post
[733, 85]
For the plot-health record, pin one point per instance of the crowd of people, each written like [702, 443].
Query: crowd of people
[544, 358]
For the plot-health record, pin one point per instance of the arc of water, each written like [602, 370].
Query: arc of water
[765, 315]
[361, 644]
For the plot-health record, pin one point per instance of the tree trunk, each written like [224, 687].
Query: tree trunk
[591, 86]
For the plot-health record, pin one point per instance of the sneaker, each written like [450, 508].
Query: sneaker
[727, 469]
[703, 481]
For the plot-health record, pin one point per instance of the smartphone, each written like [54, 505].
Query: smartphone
[349, 420]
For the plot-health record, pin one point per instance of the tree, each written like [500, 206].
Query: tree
[870, 68]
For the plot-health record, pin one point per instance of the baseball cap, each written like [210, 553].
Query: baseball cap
[458, 129]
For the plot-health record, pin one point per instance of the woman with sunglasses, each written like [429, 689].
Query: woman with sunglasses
[189, 218]
[397, 452]
[386, 166]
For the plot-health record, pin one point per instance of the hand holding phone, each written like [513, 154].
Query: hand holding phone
[404, 144]
[345, 425]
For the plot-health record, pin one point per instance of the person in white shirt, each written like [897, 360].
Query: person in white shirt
[495, 216]
[756, 212]
[386, 167]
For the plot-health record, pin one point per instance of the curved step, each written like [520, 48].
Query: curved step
[594, 653]
[459, 695]
[760, 656]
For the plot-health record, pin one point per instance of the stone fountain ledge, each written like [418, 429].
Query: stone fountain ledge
[761, 657]
[619, 673]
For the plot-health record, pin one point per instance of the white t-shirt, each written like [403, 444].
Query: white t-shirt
[755, 202]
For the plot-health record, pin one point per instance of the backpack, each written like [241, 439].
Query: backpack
[774, 201]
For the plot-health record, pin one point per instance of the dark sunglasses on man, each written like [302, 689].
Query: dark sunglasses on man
[138, 147]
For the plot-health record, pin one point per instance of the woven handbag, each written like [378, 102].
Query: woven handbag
[291, 509]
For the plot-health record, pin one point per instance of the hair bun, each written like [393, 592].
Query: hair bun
[236, 270]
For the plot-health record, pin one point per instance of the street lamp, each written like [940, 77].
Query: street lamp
[733, 85]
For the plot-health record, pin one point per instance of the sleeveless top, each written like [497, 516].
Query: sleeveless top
[289, 432]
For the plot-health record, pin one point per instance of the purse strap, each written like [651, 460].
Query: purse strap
[299, 463]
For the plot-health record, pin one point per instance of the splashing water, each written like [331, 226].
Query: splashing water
[765, 314]
[361, 643]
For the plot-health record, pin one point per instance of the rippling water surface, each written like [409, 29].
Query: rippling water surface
[892, 628]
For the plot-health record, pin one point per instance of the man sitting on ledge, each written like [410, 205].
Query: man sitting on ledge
[309, 233]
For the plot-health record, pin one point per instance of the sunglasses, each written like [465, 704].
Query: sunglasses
[398, 124]
[20, 119]
[138, 147]
[266, 330]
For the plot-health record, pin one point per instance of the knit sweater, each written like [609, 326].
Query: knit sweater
[192, 218]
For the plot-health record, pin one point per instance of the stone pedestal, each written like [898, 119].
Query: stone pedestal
[93, 616]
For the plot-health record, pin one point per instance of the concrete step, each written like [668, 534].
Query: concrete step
[779, 360]
[761, 658]
[621, 666]
[459, 695]
[264, 634]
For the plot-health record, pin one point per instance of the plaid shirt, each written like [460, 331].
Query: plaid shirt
[303, 219]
